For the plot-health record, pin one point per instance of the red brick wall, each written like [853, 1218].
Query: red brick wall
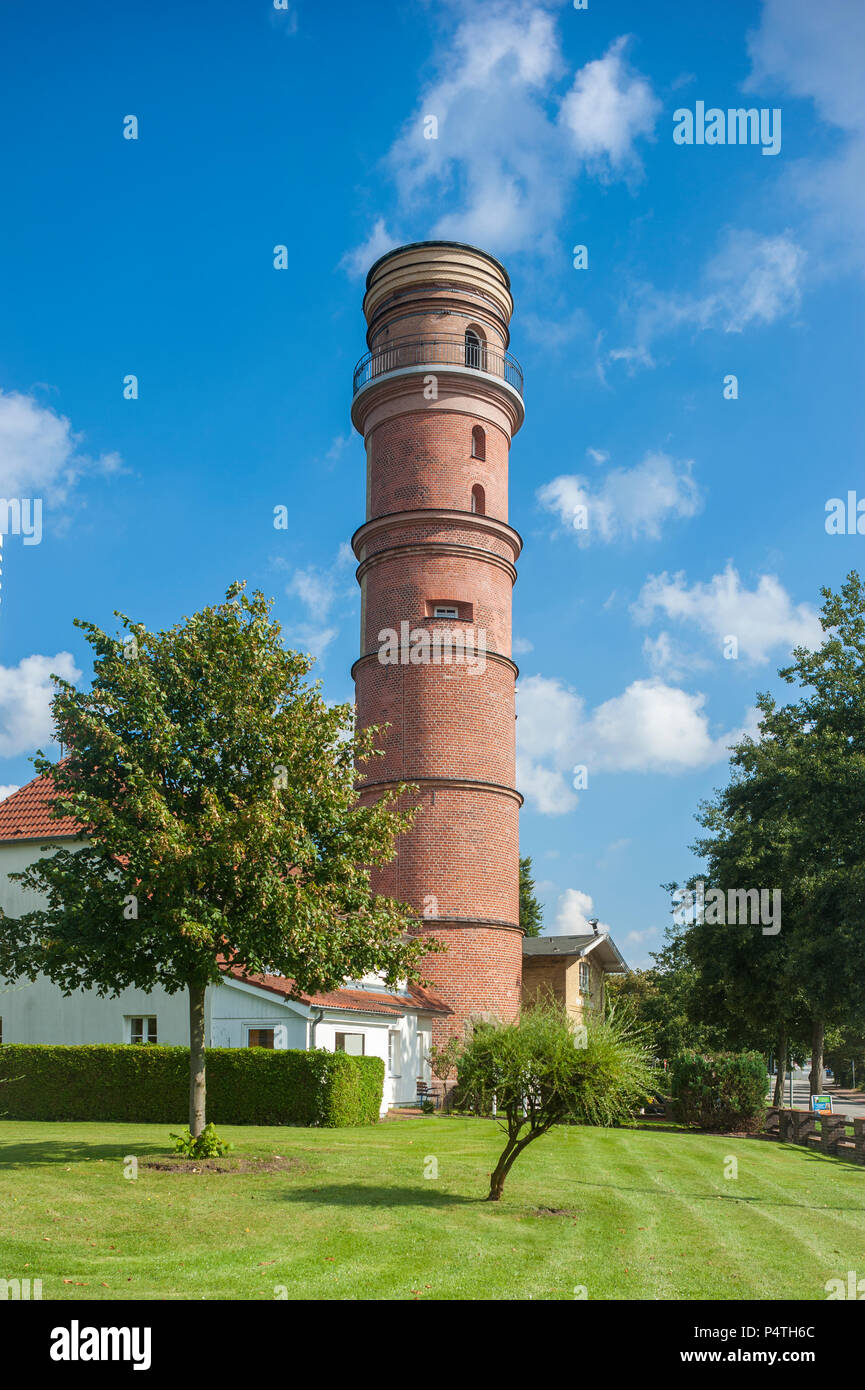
[424, 459]
[451, 727]
[479, 974]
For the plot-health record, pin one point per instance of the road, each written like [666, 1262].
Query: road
[851, 1103]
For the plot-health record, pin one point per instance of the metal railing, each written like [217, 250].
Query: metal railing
[450, 351]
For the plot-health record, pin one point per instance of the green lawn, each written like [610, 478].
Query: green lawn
[641, 1214]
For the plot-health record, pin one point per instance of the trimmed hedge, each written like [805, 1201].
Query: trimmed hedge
[150, 1085]
[720, 1091]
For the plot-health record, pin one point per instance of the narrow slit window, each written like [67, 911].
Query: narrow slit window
[479, 443]
[445, 610]
[479, 501]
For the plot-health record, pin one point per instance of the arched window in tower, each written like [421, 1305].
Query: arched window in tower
[473, 348]
[479, 443]
[479, 501]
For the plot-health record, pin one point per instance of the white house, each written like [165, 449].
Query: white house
[366, 1017]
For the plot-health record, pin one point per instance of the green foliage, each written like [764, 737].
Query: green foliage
[720, 1091]
[543, 1070]
[531, 912]
[845, 1054]
[427, 1106]
[207, 1145]
[792, 818]
[665, 1001]
[247, 1086]
[218, 789]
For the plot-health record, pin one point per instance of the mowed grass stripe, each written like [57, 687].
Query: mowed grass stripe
[358, 1219]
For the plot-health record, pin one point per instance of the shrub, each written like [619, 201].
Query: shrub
[543, 1071]
[720, 1091]
[207, 1145]
[150, 1085]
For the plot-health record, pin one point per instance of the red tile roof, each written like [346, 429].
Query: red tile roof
[365, 1001]
[26, 814]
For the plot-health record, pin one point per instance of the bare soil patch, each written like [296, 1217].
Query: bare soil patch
[272, 1163]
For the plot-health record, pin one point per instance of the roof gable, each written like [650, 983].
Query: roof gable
[26, 815]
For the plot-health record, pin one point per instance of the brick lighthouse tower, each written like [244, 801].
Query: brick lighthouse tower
[437, 399]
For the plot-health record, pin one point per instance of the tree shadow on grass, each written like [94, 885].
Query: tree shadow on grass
[38, 1153]
[363, 1195]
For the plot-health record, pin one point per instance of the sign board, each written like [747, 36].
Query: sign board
[822, 1104]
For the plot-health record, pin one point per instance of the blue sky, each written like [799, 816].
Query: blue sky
[303, 127]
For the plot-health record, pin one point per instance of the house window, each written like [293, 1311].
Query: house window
[584, 976]
[352, 1043]
[393, 1052]
[479, 501]
[479, 443]
[473, 349]
[142, 1028]
[445, 610]
[260, 1037]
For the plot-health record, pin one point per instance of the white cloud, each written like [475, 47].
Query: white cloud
[7, 791]
[572, 915]
[761, 619]
[608, 108]
[318, 588]
[521, 646]
[751, 280]
[337, 447]
[651, 727]
[666, 658]
[40, 456]
[25, 701]
[817, 52]
[379, 241]
[544, 788]
[314, 640]
[509, 148]
[630, 502]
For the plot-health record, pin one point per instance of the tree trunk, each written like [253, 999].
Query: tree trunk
[817, 1039]
[781, 1062]
[512, 1150]
[501, 1170]
[196, 1059]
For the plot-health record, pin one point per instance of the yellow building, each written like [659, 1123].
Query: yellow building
[571, 968]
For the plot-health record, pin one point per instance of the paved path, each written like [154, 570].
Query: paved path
[851, 1103]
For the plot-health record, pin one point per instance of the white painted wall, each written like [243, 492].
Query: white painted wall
[39, 1012]
[236, 1008]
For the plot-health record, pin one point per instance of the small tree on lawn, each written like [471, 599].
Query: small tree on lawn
[217, 792]
[544, 1069]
